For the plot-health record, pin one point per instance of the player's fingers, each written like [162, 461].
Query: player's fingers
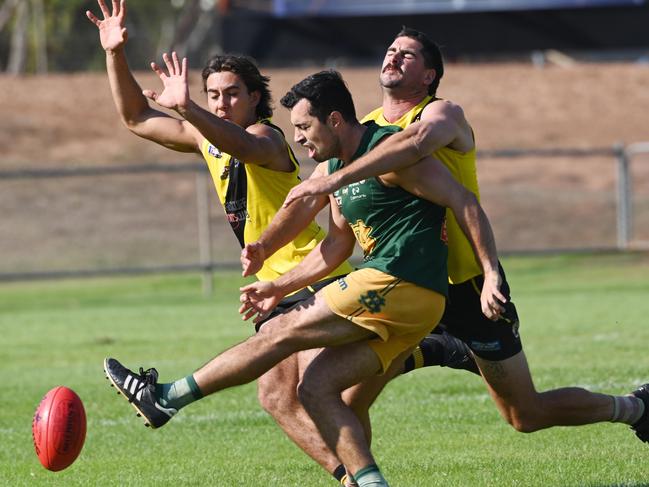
[157, 70]
[290, 198]
[116, 7]
[92, 18]
[152, 95]
[259, 317]
[249, 315]
[122, 9]
[183, 72]
[499, 295]
[247, 288]
[175, 63]
[104, 8]
[168, 63]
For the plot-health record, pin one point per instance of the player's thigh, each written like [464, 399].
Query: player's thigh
[311, 324]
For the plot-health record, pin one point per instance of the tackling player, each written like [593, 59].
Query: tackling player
[410, 75]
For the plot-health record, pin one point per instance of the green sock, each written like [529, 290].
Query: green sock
[178, 394]
[370, 476]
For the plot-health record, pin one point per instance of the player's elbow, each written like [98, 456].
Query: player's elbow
[420, 140]
[134, 124]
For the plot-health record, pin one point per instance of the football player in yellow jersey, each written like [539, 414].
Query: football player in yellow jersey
[235, 139]
[409, 77]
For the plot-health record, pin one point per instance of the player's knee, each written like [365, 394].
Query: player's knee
[524, 421]
[274, 397]
[308, 395]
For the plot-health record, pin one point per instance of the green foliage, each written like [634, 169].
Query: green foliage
[72, 41]
[584, 322]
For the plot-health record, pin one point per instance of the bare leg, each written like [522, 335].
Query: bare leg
[330, 373]
[311, 325]
[512, 389]
[360, 397]
[277, 391]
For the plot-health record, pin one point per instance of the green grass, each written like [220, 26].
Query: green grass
[584, 322]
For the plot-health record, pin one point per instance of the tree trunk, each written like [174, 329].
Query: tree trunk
[6, 11]
[40, 36]
[18, 49]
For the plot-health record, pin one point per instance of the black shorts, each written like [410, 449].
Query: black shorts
[302, 295]
[463, 318]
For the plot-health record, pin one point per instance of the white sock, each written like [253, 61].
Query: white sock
[627, 409]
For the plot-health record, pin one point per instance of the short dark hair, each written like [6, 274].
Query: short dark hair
[431, 52]
[246, 68]
[327, 92]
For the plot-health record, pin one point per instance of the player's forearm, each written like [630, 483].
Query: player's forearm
[395, 153]
[474, 223]
[319, 263]
[127, 94]
[227, 136]
[288, 222]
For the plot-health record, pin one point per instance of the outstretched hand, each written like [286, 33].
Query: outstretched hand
[252, 258]
[175, 94]
[491, 299]
[112, 33]
[310, 187]
[258, 299]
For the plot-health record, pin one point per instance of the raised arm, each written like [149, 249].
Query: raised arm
[430, 179]
[442, 124]
[257, 143]
[261, 297]
[131, 104]
[286, 225]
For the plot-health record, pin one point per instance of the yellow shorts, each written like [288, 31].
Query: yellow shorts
[399, 312]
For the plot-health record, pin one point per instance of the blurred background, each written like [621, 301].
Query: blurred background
[556, 90]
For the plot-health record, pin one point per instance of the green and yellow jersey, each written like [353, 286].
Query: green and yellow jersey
[462, 263]
[251, 195]
[400, 234]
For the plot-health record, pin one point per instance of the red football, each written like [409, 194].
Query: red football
[59, 428]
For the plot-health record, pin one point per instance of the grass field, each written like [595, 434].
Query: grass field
[584, 321]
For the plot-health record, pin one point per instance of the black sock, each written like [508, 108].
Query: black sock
[444, 350]
[339, 472]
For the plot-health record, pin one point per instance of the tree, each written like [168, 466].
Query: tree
[41, 35]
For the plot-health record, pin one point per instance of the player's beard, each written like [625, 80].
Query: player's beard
[334, 150]
[387, 80]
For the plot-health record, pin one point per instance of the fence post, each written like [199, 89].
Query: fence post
[624, 198]
[204, 234]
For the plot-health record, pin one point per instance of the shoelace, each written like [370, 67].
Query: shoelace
[146, 378]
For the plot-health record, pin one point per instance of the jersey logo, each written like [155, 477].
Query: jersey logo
[372, 301]
[342, 283]
[362, 233]
[213, 151]
[485, 346]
